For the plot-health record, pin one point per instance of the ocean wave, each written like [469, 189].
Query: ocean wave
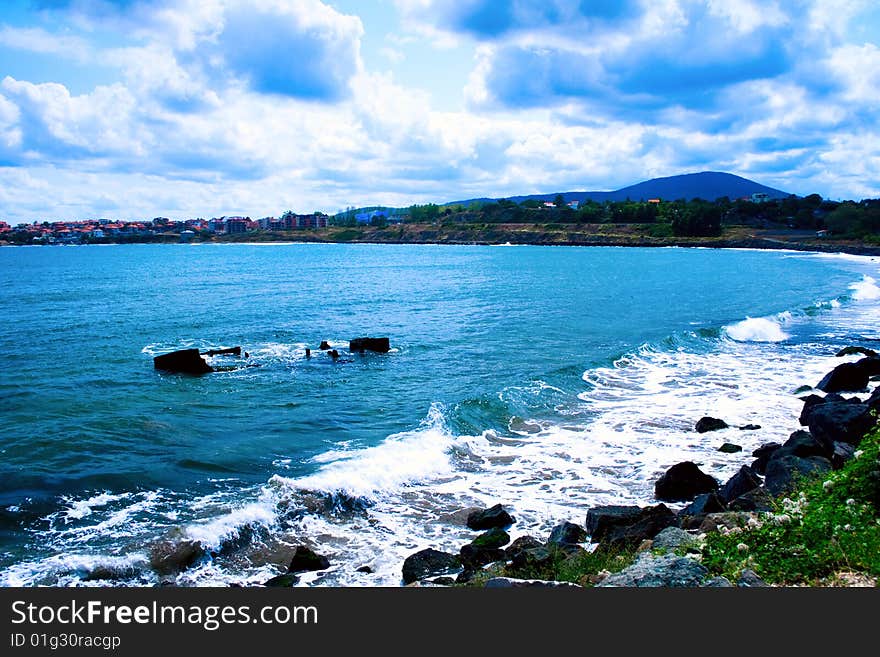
[756, 329]
[865, 289]
[401, 459]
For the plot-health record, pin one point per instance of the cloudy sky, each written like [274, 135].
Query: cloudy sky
[199, 108]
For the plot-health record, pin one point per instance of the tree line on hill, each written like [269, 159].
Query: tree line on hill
[691, 218]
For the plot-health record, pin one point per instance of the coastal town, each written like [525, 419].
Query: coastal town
[109, 230]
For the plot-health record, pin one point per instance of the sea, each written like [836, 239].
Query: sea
[546, 379]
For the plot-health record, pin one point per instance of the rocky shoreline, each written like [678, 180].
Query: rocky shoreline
[654, 546]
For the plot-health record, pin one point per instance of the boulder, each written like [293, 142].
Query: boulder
[784, 472]
[702, 504]
[846, 422]
[757, 499]
[683, 482]
[601, 519]
[750, 427]
[185, 361]
[764, 453]
[841, 453]
[170, 557]
[801, 443]
[533, 558]
[718, 582]
[305, 559]
[749, 579]
[810, 402]
[474, 557]
[282, 581]
[366, 570]
[494, 538]
[651, 522]
[739, 484]
[705, 424]
[730, 448]
[666, 571]
[325, 346]
[851, 351]
[567, 533]
[848, 377]
[494, 516]
[428, 563]
[520, 545]
[673, 538]
[381, 345]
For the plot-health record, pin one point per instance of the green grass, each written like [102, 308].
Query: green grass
[830, 525]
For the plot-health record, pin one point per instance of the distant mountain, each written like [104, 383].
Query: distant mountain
[708, 185]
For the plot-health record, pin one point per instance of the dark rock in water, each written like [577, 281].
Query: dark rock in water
[512, 583]
[705, 424]
[381, 345]
[567, 533]
[474, 557]
[851, 351]
[802, 389]
[750, 427]
[764, 453]
[283, 581]
[673, 538]
[305, 559]
[443, 581]
[749, 579]
[873, 402]
[666, 571]
[521, 544]
[682, 482]
[842, 453]
[757, 499]
[109, 573]
[651, 522]
[427, 563]
[185, 361]
[494, 538]
[840, 421]
[365, 569]
[601, 519]
[325, 346]
[784, 472]
[494, 516]
[739, 484]
[730, 448]
[465, 576]
[845, 377]
[169, 557]
[702, 504]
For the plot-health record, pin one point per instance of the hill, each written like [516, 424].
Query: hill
[708, 185]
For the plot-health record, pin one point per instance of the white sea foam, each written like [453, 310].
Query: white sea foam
[82, 508]
[756, 329]
[401, 459]
[865, 289]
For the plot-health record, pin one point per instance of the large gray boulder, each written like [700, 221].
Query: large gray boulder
[784, 473]
[666, 571]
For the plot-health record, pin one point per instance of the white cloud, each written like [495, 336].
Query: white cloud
[38, 40]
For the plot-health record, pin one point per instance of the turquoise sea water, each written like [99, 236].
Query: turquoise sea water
[545, 378]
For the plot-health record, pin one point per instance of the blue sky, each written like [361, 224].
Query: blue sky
[196, 108]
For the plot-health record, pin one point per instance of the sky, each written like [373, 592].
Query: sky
[133, 109]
